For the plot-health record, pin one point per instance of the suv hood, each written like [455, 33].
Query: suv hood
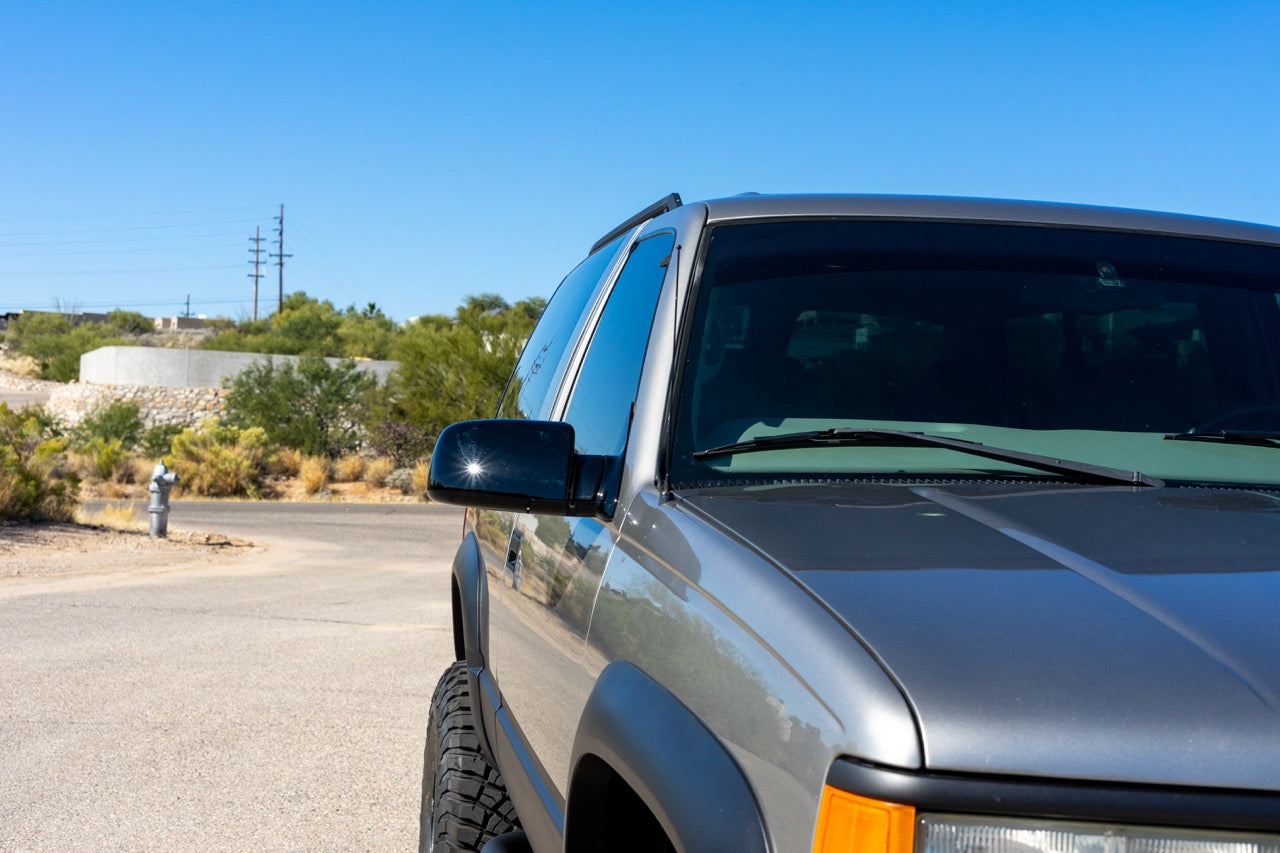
[1060, 631]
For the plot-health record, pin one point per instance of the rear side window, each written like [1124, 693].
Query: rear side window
[531, 390]
[600, 409]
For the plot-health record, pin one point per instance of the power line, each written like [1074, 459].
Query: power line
[126, 229]
[162, 213]
[80, 253]
[137, 303]
[134, 271]
[325, 264]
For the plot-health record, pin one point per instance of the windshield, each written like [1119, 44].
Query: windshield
[1085, 345]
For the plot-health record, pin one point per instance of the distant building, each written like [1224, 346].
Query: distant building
[162, 324]
[75, 319]
[174, 324]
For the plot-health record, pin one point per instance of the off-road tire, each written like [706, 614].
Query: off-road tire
[464, 801]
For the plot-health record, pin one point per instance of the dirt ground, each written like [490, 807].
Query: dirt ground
[48, 551]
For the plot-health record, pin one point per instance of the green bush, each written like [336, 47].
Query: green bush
[221, 460]
[157, 441]
[392, 434]
[308, 326]
[129, 323]
[316, 407]
[108, 455]
[35, 483]
[56, 345]
[119, 421]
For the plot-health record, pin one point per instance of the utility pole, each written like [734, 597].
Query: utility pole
[280, 256]
[256, 239]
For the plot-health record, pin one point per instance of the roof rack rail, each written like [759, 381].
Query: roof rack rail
[658, 208]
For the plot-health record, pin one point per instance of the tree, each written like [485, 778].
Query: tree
[367, 333]
[302, 326]
[316, 407]
[56, 345]
[306, 326]
[452, 370]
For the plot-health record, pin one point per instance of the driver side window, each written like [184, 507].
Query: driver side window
[600, 409]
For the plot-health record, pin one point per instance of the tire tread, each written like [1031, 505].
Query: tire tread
[463, 791]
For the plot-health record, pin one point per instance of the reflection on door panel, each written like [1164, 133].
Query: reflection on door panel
[549, 578]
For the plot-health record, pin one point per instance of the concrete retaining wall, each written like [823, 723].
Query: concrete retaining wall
[170, 386]
[184, 368]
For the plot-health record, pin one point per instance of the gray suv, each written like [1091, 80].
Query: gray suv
[875, 524]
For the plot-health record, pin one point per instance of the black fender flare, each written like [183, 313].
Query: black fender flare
[470, 604]
[470, 601]
[634, 727]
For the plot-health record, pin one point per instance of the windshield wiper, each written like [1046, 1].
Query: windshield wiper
[1253, 439]
[851, 437]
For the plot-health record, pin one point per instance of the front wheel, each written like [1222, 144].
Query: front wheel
[464, 801]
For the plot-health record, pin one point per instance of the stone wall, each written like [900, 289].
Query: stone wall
[156, 404]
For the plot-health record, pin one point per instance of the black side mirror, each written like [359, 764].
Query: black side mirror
[513, 465]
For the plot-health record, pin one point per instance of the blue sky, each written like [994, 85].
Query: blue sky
[425, 151]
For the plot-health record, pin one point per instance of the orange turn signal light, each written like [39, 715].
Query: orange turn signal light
[848, 823]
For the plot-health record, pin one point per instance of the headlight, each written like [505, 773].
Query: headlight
[851, 824]
[960, 834]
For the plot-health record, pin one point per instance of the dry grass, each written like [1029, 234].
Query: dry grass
[286, 462]
[348, 469]
[376, 470]
[140, 468]
[421, 475]
[314, 474]
[20, 365]
[116, 490]
[114, 516]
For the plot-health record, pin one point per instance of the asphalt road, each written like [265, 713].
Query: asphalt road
[21, 399]
[276, 702]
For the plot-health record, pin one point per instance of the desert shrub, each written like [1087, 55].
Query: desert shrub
[286, 462]
[118, 421]
[221, 460]
[348, 469]
[392, 434]
[314, 474]
[140, 468]
[44, 422]
[376, 470]
[130, 323]
[158, 440]
[305, 325]
[421, 475]
[400, 478]
[315, 407]
[35, 481]
[108, 455]
[56, 345]
[19, 365]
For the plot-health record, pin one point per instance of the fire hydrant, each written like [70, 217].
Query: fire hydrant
[162, 480]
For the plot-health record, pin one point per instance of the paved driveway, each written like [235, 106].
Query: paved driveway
[274, 702]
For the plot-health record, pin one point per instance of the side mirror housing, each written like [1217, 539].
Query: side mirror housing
[516, 466]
